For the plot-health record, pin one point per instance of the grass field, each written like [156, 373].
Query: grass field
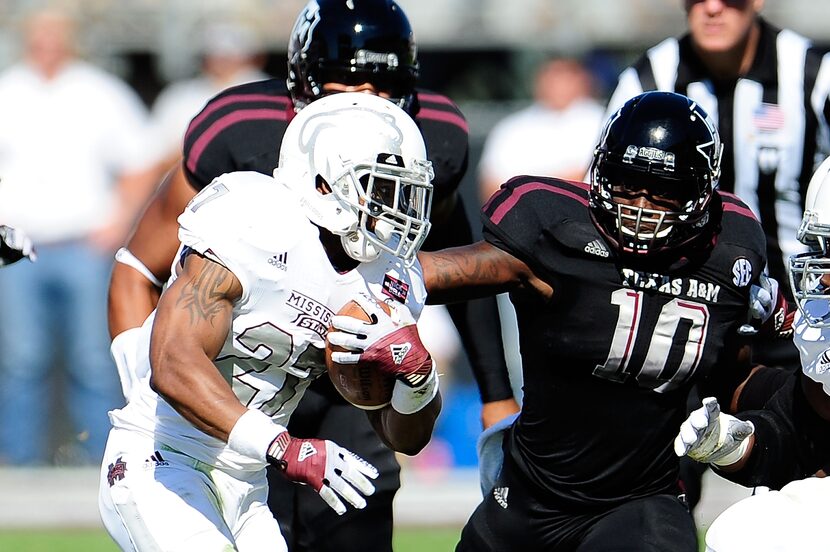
[406, 540]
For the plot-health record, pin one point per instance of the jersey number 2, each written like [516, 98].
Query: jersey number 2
[662, 339]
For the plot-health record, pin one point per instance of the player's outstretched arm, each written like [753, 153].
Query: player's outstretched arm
[477, 270]
[144, 264]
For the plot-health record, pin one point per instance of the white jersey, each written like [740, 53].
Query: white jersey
[254, 226]
[813, 346]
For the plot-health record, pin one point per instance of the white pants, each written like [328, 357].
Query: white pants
[793, 519]
[152, 499]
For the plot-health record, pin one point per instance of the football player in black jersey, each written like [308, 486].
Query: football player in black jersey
[627, 292]
[362, 45]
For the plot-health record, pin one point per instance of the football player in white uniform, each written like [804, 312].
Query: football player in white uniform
[791, 519]
[239, 333]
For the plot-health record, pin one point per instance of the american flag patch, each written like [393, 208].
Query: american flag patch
[768, 117]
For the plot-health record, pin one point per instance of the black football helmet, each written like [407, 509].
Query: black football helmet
[662, 147]
[352, 42]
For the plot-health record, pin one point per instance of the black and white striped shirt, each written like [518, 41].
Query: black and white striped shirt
[773, 123]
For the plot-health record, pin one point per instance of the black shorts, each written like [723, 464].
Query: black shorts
[512, 518]
[306, 521]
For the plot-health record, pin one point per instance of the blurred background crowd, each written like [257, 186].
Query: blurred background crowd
[531, 76]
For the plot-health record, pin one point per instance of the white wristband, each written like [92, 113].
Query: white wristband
[252, 433]
[409, 400]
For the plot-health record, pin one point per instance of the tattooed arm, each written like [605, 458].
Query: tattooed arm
[477, 270]
[192, 321]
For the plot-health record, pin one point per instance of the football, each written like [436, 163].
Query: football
[363, 387]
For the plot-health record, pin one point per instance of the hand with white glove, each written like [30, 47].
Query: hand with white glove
[390, 344]
[329, 469]
[768, 310]
[710, 436]
[14, 245]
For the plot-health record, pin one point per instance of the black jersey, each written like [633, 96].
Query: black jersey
[241, 129]
[609, 361]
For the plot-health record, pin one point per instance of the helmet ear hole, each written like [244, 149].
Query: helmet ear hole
[321, 185]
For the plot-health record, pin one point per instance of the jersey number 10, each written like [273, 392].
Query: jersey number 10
[661, 340]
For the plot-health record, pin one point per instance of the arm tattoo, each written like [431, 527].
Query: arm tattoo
[453, 270]
[203, 294]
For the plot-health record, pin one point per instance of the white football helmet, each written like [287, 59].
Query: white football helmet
[371, 154]
[810, 272]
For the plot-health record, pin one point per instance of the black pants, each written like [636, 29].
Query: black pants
[511, 518]
[306, 521]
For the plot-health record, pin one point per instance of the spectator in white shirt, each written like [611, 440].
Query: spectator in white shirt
[75, 169]
[231, 54]
[552, 135]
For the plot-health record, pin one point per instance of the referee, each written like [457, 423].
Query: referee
[767, 90]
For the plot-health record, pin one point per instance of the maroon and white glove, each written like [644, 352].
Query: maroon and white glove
[390, 344]
[326, 467]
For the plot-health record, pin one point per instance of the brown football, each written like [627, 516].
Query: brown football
[363, 387]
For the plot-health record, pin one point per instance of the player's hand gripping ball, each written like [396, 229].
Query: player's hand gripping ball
[361, 385]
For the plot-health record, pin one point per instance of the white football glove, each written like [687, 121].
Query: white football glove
[326, 467]
[14, 245]
[391, 345]
[712, 437]
[357, 335]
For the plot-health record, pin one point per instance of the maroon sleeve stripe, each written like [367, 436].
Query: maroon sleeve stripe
[444, 117]
[739, 209]
[434, 98]
[228, 100]
[501, 211]
[224, 122]
[734, 204]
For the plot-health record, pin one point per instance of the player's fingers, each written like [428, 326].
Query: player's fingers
[358, 480]
[344, 357]
[348, 324]
[346, 340]
[699, 419]
[689, 435]
[712, 407]
[349, 493]
[680, 446]
[332, 500]
[360, 464]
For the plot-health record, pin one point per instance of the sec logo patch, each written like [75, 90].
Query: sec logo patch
[741, 272]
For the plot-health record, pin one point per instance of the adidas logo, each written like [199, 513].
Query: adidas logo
[399, 352]
[156, 460]
[306, 450]
[279, 261]
[596, 247]
[500, 494]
